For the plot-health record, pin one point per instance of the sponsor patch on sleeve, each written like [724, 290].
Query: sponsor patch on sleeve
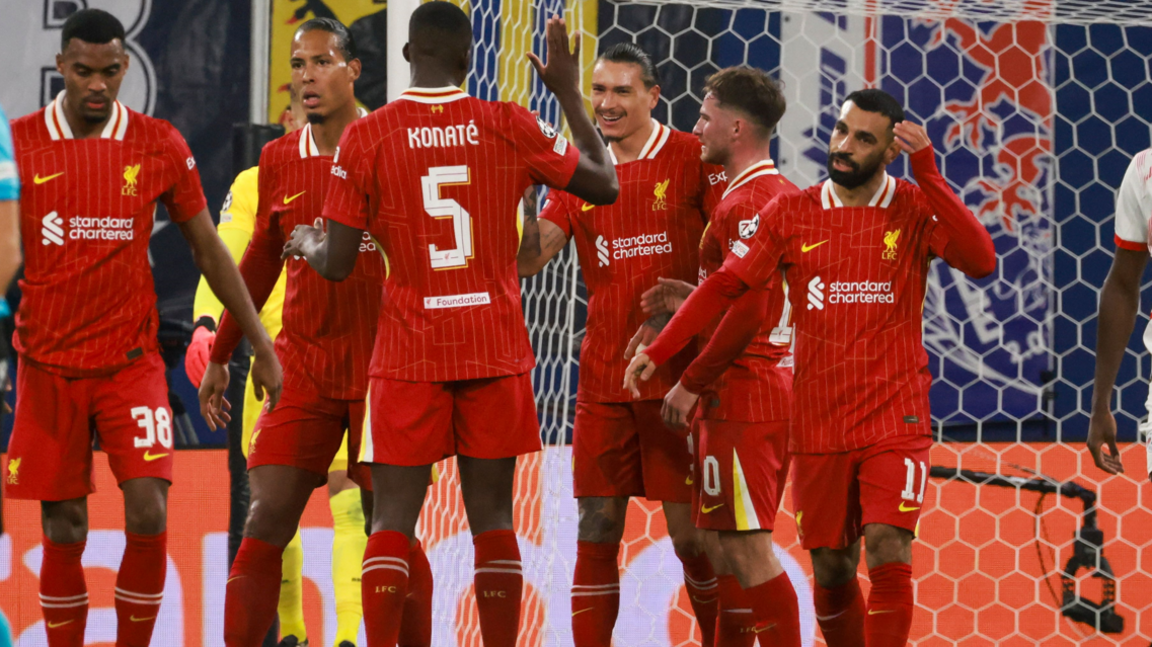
[740, 249]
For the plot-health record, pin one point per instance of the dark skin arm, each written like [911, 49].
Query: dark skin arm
[332, 255]
[215, 262]
[1119, 304]
[595, 178]
[543, 240]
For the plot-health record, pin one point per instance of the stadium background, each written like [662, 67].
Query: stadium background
[1035, 120]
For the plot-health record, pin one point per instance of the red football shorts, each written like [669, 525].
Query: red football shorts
[836, 495]
[419, 423]
[57, 420]
[739, 474]
[624, 449]
[305, 431]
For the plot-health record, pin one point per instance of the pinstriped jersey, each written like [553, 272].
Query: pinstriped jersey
[87, 210]
[436, 177]
[329, 327]
[651, 231]
[857, 278]
[756, 387]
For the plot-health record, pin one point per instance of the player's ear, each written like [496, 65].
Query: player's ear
[653, 97]
[354, 68]
[405, 51]
[892, 152]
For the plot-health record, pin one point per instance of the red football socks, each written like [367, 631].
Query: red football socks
[777, 612]
[890, 605]
[140, 588]
[416, 622]
[735, 626]
[499, 584]
[384, 586]
[63, 593]
[252, 593]
[700, 580]
[840, 614]
[595, 594]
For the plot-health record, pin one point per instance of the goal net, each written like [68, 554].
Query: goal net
[1035, 108]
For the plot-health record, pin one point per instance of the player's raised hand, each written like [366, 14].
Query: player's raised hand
[665, 297]
[1101, 432]
[677, 406]
[641, 368]
[911, 137]
[213, 405]
[304, 239]
[562, 73]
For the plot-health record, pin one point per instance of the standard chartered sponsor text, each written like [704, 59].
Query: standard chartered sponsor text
[642, 245]
[107, 228]
[861, 292]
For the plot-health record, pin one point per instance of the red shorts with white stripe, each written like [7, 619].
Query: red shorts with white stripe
[57, 419]
[419, 423]
[624, 449]
[836, 495]
[739, 473]
[306, 431]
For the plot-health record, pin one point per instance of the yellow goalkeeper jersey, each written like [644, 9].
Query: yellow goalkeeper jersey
[237, 222]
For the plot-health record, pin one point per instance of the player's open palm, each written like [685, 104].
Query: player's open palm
[911, 137]
[562, 72]
[1101, 433]
[213, 405]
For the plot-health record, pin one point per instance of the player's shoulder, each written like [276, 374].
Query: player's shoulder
[141, 127]
[764, 188]
[1140, 169]
[30, 126]
[246, 181]
[281, 149]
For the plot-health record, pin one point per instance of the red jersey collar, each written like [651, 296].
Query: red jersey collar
[882, 198]
[308, 147]
[58, 127]
[446, 94]
[655, 143]
[761, 168]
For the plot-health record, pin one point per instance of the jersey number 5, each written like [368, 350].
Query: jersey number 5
[439, 207]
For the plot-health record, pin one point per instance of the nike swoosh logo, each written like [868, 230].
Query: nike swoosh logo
[831, 617]
[688, 481]
[576, 613]
[807, 248]
[907, 508]
[587, 207]
[873, 612]
[234, 578]
[707, 509]
[41, 180]
[53, 625]
[135, 619]
[760, 630]
[287, 199]
[151, 457]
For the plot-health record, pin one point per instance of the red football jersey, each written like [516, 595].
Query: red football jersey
[87, 210]
[651, 231]
[757, 386]
[329, 327]
[436, 177]
[858, 277]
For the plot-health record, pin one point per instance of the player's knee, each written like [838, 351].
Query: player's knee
[833, 568]
[601, 520]
[268, 522]
[687, 542]
[65, 522]
[147, 518]
[887, 544]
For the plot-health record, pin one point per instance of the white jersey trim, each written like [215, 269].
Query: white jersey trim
[446, 94]
[759, 169]
[308, 147]
[59, 129]
[882, 198]
[652, 147]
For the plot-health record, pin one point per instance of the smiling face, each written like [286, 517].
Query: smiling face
[92, 75]
[861, 146]
[714, 129]
[320, 76]
[621, 102]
